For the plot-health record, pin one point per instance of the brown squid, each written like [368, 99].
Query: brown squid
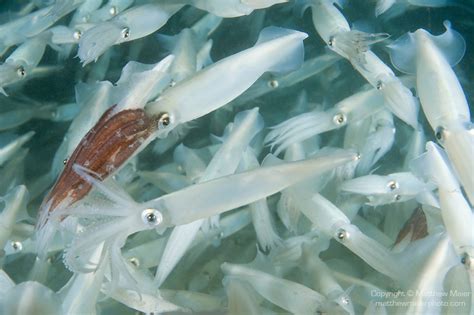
[103, 150]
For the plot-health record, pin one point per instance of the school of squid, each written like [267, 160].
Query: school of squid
[236, 157]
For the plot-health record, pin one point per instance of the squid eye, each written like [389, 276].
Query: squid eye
[135, 262]
[466, 260]
[152, 217]
[164, 120]
[331, 41]
[392, 185]
[273, 83]
[21, 71]
[345, 300]
[17, 246]
[126, 32]
[439, 133]
[380, 85]
[77, 35]
[342, 234]
[339, 119]
[113, 11]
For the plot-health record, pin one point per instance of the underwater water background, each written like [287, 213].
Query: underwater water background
[200, 271]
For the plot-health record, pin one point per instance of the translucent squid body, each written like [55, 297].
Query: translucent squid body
[117, 136]
[401, 5]
[380, 190]
[174, 209]
[17, 31]
[21, 63]
[299, 128]
[289, 295]
[457, 215]
[20, 113]
[372, 137]
[303, 251]
[429, 259]
[334, 29]
[122, 130]
[79, 23]
[10, 148]
[228, 8]
[324, 280]
[262, 220]
[308, 69]
[225, 162]
[108, 11]
[129, 25]
[353, 45]
[190, 47]
[442, 98]
[287, 210]
[15, 201]
[246, 67]
[115, 26]
[27, 297]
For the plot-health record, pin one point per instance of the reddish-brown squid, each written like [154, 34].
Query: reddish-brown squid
[103, 150]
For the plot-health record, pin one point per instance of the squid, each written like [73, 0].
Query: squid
[190, 48]
[429, 259]
[289, 295]
[15, 201]
[126, 127]
[19, 113]
[372, 137]
[380, 190]
[246, 67]
[119, 132]
[101, 240]
[267, 235]
[383, 6]
[11, 148]
[241, 297]
[228, 8]
[457, 215]
[350, 110]
[28, 297]
[22, 61]
[107, 11]
[116, 136]
[441, 95]
[303, 252]
[174, 209]
[225, 162]
[324, 280]
[29, 26]
[353, 45]
[129, 25]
